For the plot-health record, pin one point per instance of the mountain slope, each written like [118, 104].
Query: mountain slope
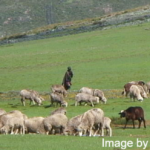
[123, 18]
[21, 16]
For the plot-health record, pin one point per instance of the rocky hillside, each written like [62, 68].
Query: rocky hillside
[19, 16]
[124, 18]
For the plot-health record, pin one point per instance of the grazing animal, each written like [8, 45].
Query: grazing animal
[31, 95]
[59, 89]
[135, 93]
[126, 89]
[35, 125]
[87, 98]
[133, 113]
[12, 122]
[106, 126]
[90, 119]
[58, 98]
[142, 91]
[55, 122]
[60, 110]
[94, 92]
[128, 85]
[72, 125]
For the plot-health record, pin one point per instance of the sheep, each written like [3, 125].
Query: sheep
[94, 92]
[83, 97]
[32, 95]
[55, 122]
[35, 125]
[133, 113]
[12, 122]
[89, 119]
[58, 99]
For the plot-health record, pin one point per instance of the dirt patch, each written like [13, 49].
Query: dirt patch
[109, 93]
[130, 124]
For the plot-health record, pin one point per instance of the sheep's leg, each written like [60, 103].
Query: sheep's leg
[144, 122]
[133, 124]
[16, 131]
[95, 133]
[139, 122]
[80, 133]
[12, 130]
[92, 104]
[90, 131]
[85, 104]
[76, 103]
[126, 123]
[23, 129]
[110, 131]
[33, 101]
[102, 131]
[23, 101]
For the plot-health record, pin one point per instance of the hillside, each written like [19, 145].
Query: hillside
[124, 18]
[21, 16]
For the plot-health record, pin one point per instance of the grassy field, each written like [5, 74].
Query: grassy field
[101, 59]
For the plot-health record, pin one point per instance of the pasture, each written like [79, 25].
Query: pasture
[101, 59]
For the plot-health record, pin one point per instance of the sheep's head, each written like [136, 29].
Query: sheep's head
[122, 113]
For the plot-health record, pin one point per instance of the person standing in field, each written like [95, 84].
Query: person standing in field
[67, 78]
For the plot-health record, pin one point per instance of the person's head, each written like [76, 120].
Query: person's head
[69, 68]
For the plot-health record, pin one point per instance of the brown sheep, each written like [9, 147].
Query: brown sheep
[128, 85]
[133, 113]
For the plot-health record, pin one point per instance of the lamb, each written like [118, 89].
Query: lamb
[107, 127]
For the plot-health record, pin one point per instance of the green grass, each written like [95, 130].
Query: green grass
[61, 142]
[55, 142]
[101, 59]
